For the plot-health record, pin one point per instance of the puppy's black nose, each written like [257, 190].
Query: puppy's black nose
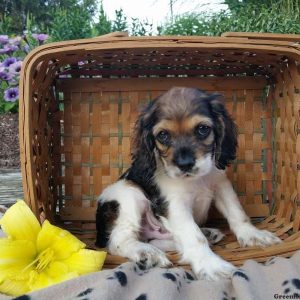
[184, 159]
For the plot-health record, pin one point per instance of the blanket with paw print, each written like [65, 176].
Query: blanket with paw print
[278, 278]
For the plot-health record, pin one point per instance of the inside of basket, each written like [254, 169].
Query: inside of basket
[95, 97]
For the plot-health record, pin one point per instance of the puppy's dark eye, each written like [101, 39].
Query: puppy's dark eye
[164, 137]
[202, 131]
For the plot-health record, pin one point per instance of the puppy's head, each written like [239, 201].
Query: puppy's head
[188, 130]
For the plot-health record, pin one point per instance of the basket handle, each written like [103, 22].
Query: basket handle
[116, 34]
[264, 36]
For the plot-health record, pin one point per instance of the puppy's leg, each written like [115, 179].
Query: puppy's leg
[165, 245]
[191, 242]
[228, 204]
[213, 236]
[124, 235]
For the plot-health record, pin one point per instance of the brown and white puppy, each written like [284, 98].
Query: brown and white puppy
[183, 142]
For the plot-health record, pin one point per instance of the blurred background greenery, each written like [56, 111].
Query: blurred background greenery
[73, 19]
[25, 24]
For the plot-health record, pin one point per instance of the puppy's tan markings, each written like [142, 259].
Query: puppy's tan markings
[169, 125]
[188, 124]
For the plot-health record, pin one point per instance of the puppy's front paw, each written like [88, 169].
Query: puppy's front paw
[248, 235]
[213, 268]
[149, 256]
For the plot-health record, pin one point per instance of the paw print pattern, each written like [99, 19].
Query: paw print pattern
[291, 287]
[174, 277]
[241, 273]
[120, 276]
[141, 297]
[227, 297]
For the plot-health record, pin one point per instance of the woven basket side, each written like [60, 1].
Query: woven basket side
[194, 56]
[287, 145]
[60, 134]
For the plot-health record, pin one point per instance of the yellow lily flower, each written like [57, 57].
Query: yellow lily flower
[34, 256]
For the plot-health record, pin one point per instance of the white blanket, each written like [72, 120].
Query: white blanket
[275, 279]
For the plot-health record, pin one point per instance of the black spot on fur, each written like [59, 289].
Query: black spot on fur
[169, 276]
[106, 215]
[285, 282]
[122, 278]
[84, 293]
[241, 274]
[141, 297]
[189, 276]
[23, 297]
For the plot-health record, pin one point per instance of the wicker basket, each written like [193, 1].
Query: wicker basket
[79, 101]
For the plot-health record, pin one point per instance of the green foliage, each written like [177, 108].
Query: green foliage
[120, 23]
[6, 24]
[5, 107]
[71, 24]
[136, 27]
[140, 28]
[243, 17]
[104, 25]
[42, 11]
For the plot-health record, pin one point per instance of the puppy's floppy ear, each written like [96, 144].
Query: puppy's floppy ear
[225, 133]
[143, 142]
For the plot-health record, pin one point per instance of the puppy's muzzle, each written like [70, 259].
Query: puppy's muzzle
[184, 159]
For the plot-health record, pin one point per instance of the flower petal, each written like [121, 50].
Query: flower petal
[16, 256]
[43, 279]
[62, 242]
[86, 261]
[14, 287]
[19, 222]
[39, 280]
[59, 272]
[57, 268]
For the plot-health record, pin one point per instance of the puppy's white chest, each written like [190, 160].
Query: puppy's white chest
[196, 194]
[202, 202]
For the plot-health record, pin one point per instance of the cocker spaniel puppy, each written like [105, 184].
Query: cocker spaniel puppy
[183, 142]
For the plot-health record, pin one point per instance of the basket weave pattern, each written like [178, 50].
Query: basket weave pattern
[80, 99]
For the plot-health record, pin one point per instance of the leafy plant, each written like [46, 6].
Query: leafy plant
[5, 24]
[104, 25]
[42, 11]
[12, 52]
[140, 28]
[120, 23]
[71, 24]
[242, 17]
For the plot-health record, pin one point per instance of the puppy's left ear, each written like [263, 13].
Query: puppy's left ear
[225, 133]
[143, 142]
